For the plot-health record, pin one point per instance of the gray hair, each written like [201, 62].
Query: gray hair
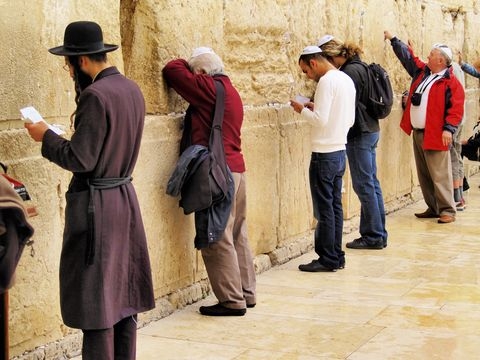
[208, 63]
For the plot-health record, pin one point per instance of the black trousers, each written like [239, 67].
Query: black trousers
[117, 343]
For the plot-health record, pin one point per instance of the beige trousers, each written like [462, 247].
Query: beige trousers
[434, 169]
[229, 261]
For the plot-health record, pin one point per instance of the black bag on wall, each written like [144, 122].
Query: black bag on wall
[471, 150]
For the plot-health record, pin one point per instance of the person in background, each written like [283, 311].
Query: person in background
[473, 70]
[434, 110]
[15, 233]
[362, 141]
[330, 117]
[105, 275]
[470, 69]
[228, 261]
[456, 149]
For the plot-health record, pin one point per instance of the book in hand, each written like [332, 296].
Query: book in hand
[31, 115]
[302, 99]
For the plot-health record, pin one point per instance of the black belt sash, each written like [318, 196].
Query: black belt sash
[98, 184]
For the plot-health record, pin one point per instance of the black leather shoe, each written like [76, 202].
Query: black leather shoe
[220, 310]
[315, 266]
[361, 243]
[341, 266]
[427, 214]
[251, 305]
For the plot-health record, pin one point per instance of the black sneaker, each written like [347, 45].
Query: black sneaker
[220, 310]
[361, 243]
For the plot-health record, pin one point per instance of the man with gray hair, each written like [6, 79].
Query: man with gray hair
[229, 260]
[434, 109]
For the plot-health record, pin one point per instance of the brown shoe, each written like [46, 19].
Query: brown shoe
[427, 214]
[445, 219]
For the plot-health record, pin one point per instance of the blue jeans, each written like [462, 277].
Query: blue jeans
[326, 172]
[361, 152]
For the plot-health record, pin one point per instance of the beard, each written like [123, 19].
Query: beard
[82, 80]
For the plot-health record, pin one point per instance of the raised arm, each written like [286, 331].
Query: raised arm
[405, 54]
[470, 70]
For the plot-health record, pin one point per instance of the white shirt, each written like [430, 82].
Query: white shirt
[334, 112]
[418, 114]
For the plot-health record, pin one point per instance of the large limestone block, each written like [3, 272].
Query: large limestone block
[159, 31]
[296, 215]
[470, 49]
[264, 75]
[260, 146]
[395, 162]
[170, 233]
[33, 76]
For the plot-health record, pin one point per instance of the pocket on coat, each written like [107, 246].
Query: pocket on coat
[76, 214]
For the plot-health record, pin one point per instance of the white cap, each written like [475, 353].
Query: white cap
[444, 49]
[202, 50]
[311, 49]
[324, 39]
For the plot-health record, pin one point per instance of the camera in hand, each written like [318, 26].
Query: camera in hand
[416, 99]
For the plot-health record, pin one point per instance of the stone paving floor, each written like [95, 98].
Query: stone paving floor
[417, 299]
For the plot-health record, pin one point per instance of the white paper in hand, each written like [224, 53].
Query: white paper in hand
[31, 115]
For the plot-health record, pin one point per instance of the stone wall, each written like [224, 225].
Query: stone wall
[259, 41]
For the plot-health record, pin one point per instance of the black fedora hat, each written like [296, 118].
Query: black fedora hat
[82, 38]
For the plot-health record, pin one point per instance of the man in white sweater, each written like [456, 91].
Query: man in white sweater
[330, 116]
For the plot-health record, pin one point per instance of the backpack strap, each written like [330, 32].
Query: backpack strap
[219, 108]
[216, 135]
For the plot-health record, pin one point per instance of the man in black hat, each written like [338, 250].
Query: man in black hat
[105, 275]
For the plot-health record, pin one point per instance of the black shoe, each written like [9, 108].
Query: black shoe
[220, 310]
[251, 305]
[341, 266]
[361, 243]
[315, 266]
[427, 214]
[384, 243]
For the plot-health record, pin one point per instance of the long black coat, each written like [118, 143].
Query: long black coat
[108, 129]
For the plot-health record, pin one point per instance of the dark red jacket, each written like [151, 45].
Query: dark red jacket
[199, 91]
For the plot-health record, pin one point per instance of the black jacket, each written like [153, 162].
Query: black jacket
[364, 123]
[15, 231]
[191, 180]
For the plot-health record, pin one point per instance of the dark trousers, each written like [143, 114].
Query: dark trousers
[117, 343]
[326, 172]
[362, 160]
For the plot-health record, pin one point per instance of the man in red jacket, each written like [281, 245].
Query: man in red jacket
[228, 261]
[434, 110]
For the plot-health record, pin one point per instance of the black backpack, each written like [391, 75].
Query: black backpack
[379, 92]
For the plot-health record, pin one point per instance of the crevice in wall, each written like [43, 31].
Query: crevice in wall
[127, 27]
